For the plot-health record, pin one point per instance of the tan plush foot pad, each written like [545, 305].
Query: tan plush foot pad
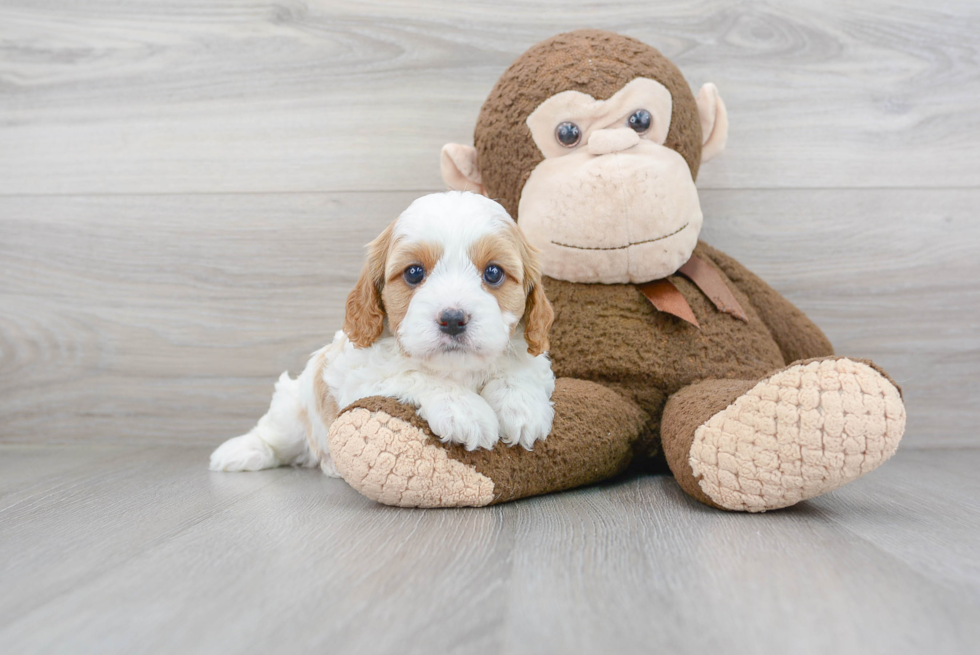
[388, 460]
[806, 430]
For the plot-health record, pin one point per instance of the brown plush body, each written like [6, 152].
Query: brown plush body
[646, 355]
[749, 414]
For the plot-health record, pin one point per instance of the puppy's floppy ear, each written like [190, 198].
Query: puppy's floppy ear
[538, 314]
[364, 320]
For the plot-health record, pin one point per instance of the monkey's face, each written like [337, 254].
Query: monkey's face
[594, 141]
[609, 203]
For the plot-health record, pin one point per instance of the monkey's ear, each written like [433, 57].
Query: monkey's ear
[714, 121]
[460, 170]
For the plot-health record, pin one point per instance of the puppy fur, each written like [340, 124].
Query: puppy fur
[490, 382]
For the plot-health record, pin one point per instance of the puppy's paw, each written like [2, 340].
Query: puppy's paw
[525, 416]
[245, 453]
[468, 420]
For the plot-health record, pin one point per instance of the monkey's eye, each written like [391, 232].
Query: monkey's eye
[493, 275]
[640, 121]
[568, 134]
[414, 274]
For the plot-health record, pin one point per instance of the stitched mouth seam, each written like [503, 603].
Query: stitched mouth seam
[636, 243]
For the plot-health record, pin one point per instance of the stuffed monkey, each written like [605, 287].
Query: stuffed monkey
[665, 349]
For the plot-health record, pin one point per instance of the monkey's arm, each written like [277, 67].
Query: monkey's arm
[384, 450]
[798, 337]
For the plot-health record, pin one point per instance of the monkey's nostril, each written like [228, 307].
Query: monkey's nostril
[452, 321]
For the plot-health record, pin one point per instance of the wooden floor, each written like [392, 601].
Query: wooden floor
[123, 550]
[185, 188]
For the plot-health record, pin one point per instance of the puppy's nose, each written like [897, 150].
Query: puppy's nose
[452, 321]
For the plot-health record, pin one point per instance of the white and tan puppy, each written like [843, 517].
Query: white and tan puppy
[449, 316]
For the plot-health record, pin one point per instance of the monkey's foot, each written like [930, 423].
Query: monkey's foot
[386, 452]
[808, 429]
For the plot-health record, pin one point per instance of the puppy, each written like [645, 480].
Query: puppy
[449, 316]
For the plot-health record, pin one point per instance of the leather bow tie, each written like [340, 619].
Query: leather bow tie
[666, 298]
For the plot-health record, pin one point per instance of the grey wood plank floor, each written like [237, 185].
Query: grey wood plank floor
[121, 549]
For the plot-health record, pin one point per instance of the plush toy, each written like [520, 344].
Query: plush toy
[665, 348]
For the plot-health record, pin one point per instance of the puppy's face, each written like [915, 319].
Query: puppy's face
[455, 278]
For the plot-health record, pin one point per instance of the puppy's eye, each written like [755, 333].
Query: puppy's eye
[640, 121]
[493, 275]
[414, 274]
[568, 134]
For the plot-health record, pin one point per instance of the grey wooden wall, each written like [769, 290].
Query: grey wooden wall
[185, 185]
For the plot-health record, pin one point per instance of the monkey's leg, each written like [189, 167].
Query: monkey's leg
[802, 431]
[386, 452]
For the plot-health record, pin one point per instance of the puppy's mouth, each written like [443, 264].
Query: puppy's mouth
[455, 354]
[455, 345]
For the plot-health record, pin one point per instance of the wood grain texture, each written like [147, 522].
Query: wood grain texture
[146, 551]
[165, 318]
[124, 96]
